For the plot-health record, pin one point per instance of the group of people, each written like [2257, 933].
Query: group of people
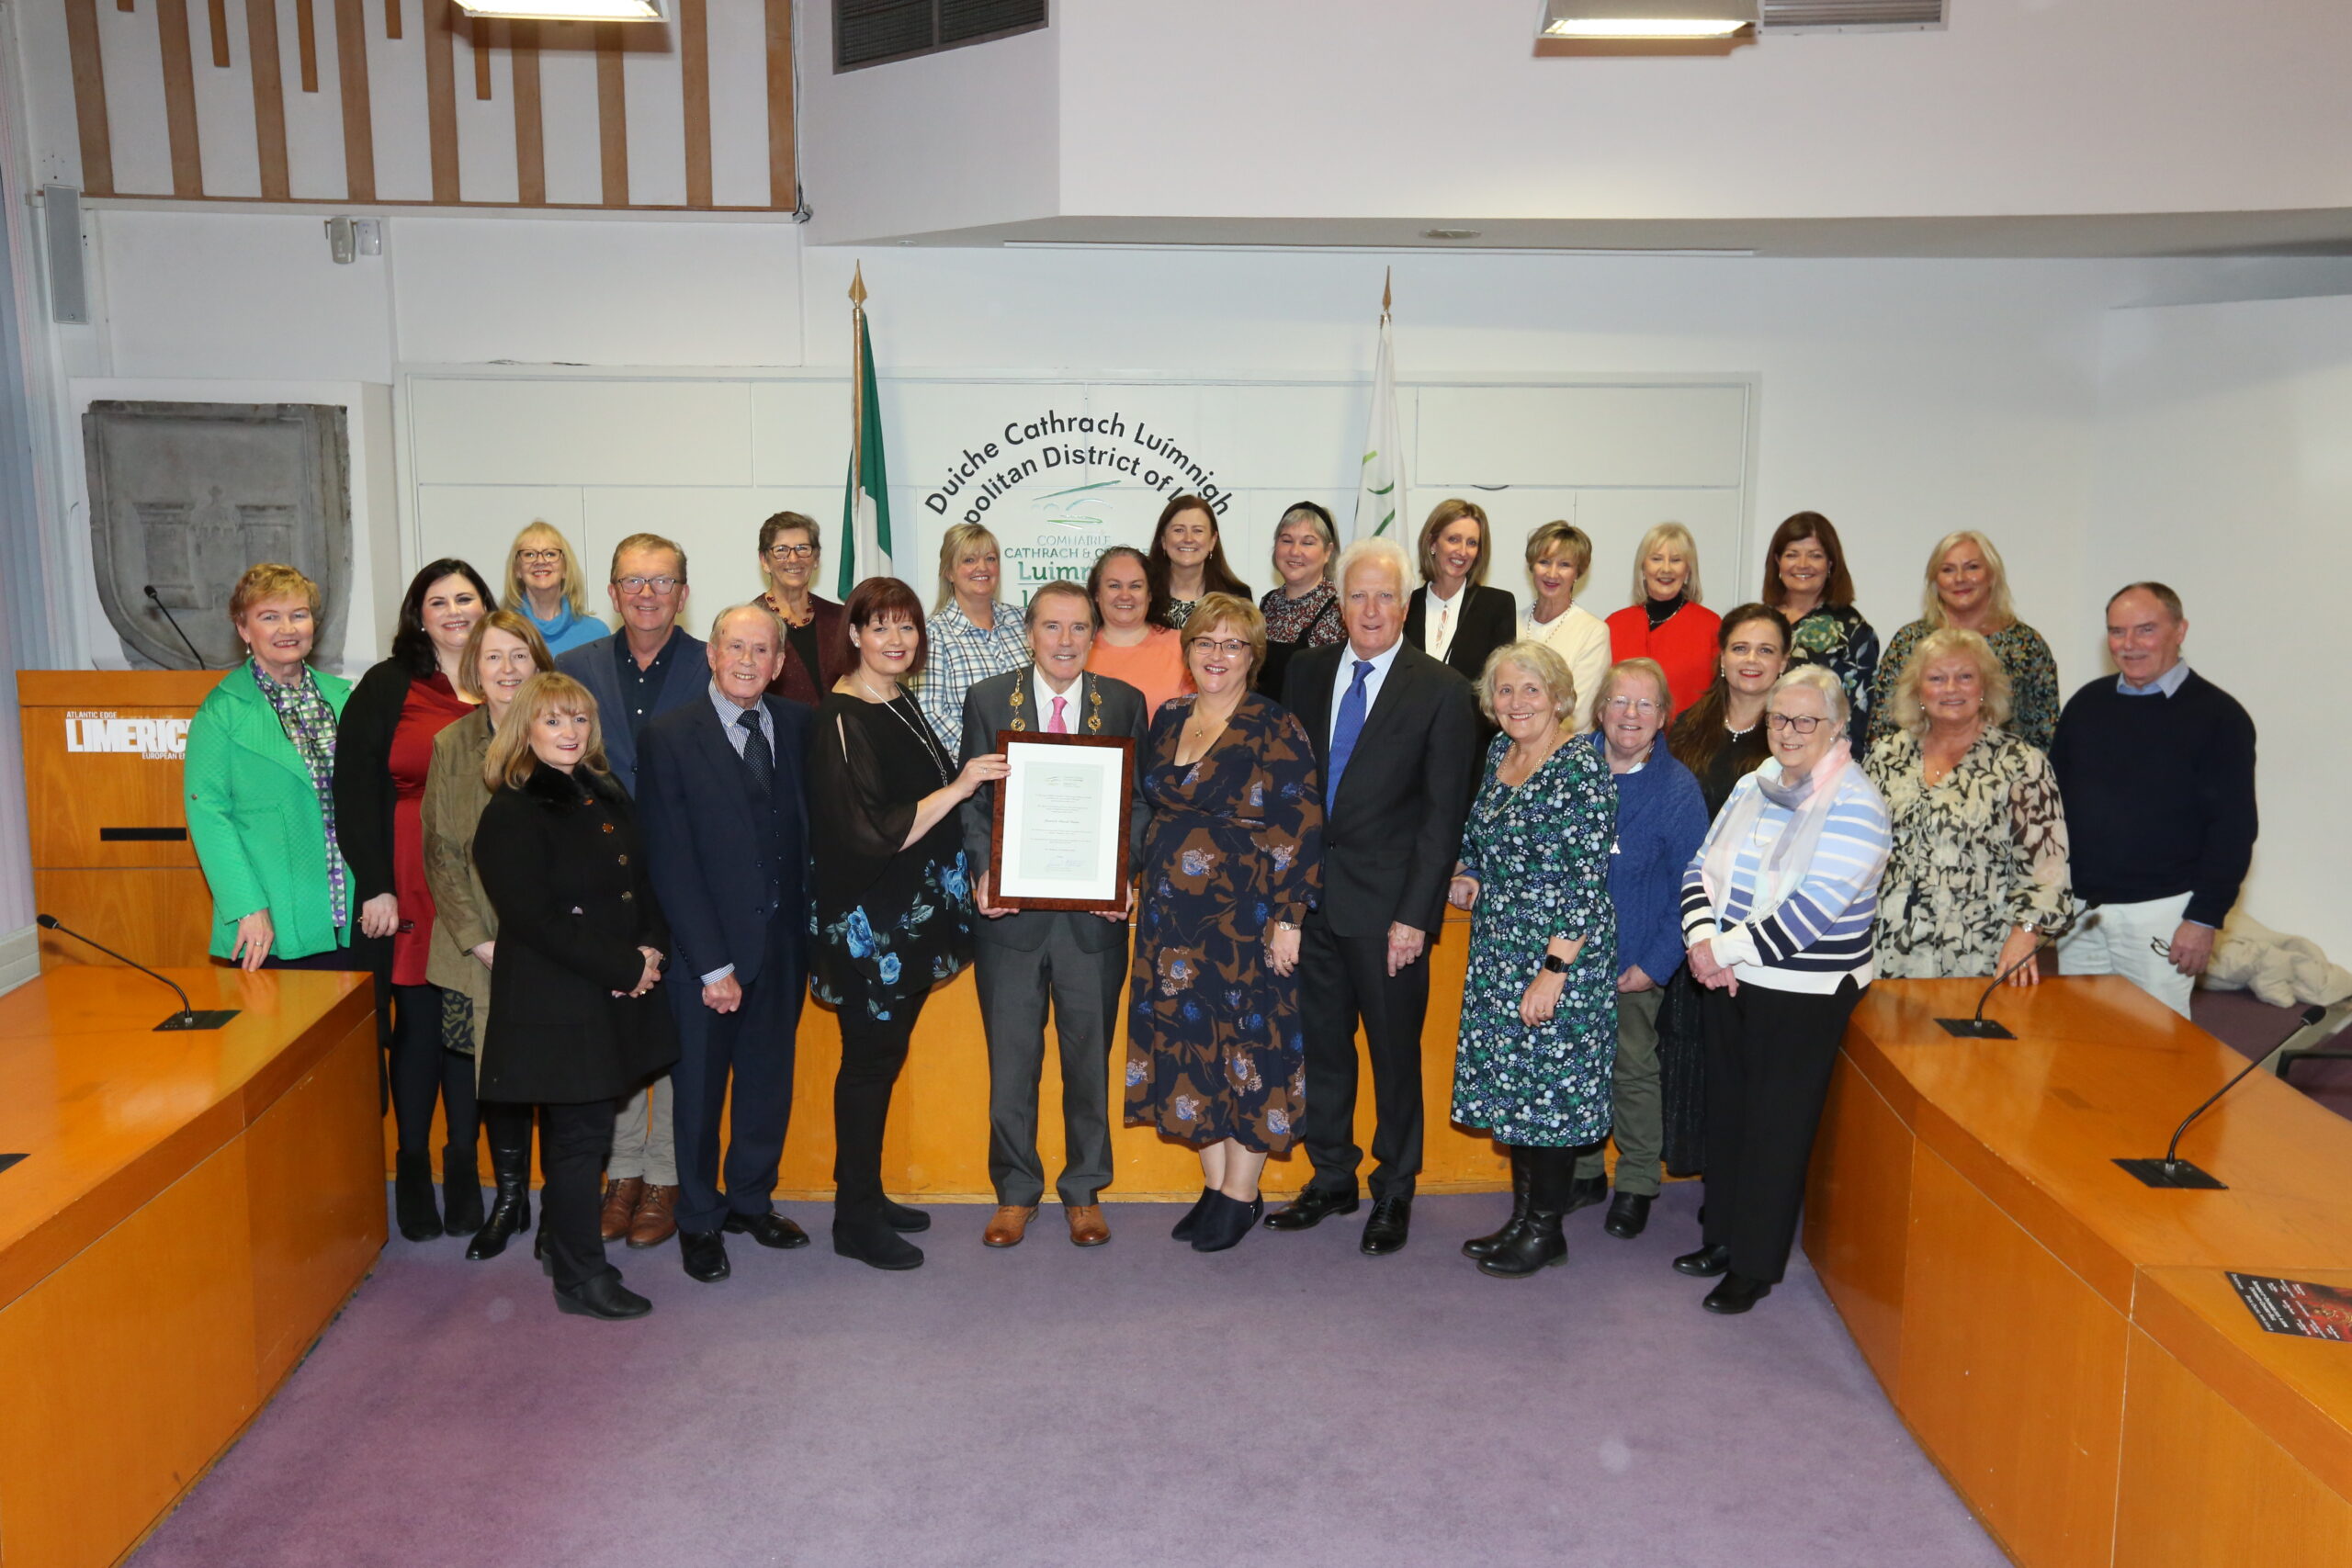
[596, 874]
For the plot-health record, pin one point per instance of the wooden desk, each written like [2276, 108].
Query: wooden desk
[1995, 1267]
[193, 1210]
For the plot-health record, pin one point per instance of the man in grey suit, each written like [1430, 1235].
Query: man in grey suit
[1022, 960]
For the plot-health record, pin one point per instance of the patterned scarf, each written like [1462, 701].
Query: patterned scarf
[1783, 869]
[309, 722]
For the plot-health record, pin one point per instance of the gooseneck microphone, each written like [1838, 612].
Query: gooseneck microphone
[1978, 1026]
[201, 665]
[2174, 1171]
[187, 1018]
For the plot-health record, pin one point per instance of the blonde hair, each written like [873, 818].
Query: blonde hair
[1215, 610]
[511, 759]
[271, 580]
[1539, 660]
[2003, 614]
[575, 581]
[959, 541]
[1649, 670]
[1903, 705]
[515, 624]
[1676, 534]
[1445, 515]
[1562, 538]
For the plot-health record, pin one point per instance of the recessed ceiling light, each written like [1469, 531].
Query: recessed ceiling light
[1449, 233]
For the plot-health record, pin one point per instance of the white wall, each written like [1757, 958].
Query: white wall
[2226, 469]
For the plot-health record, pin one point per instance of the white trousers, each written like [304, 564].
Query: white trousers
[2123, 940]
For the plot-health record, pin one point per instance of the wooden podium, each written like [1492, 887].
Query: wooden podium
[103, 798]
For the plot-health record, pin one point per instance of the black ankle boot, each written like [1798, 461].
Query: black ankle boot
[413, 1208]
[1537, 1245]
[1225, 1220]
[461, 1190]
[1190, 1223]
[1484, 1246]
[510, 1213]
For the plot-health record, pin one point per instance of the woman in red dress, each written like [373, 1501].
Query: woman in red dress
[383, 753]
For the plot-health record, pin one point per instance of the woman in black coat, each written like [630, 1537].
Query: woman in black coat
[577, 1019]
[1454, 616]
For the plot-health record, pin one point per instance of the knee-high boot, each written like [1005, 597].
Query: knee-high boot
[510, 1168]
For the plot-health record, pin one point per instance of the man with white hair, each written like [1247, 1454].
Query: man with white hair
[1395, 736]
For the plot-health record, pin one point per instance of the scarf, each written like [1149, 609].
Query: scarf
[1786, 863]
[305, 715]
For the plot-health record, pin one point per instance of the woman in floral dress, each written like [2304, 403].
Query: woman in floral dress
[1215, 1055]
[1539, 1008]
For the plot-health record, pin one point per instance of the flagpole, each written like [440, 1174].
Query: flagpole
[851, 573]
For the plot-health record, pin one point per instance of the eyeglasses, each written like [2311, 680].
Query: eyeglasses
[661, 586]
[1227, 646]
[791, 552]
[532, 558]
[1803, 722]
[1632, 705]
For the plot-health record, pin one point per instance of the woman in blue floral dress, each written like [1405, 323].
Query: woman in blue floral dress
[1539, 1007]
[1215, 1055]
[892, 905]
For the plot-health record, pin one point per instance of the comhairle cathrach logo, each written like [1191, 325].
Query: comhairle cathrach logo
[157, 739]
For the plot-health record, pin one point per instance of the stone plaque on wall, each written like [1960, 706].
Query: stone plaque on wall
[184, 497]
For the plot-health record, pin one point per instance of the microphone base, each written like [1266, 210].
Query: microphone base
[197, 1020]
[2152, 1173]
[1974, 1029]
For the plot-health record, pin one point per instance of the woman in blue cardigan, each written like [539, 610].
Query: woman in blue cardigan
[1661, 818]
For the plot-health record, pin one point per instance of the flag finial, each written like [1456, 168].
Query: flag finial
[1386, 279]
[857, 286]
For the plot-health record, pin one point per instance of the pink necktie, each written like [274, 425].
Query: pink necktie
[1056, 724]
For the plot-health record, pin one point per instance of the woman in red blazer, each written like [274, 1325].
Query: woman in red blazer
[1665, 622]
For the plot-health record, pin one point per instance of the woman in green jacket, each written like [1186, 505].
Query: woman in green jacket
[260, 776]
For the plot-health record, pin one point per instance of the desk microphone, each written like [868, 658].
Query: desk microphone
[201, 665]
[2174, 1171]
[187, 1018]
[1979, 1027]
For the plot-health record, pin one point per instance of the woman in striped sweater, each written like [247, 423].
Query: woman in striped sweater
[1777, 911]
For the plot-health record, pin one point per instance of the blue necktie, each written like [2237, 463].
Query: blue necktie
[1344, 733]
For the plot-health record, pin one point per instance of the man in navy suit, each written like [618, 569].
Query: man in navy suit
[647, 669]
[725, 829]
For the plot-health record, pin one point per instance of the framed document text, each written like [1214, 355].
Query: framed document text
[1059, 841]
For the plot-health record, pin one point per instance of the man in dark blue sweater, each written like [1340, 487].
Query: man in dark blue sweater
[2156, 769]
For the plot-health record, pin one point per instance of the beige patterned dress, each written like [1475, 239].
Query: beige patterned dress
[1975, 855]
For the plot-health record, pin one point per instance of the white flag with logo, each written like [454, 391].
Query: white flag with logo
[1380, 484]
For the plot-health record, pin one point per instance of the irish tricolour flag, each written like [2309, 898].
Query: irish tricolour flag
[866, 499]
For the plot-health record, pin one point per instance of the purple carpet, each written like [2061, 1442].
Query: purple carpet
[1289, 1402]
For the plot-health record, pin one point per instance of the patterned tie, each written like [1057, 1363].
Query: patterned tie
[1058, 725]
[1344, 733]
[755, 750]
[1444, 615]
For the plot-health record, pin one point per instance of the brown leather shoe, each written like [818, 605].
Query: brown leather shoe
[1009, 1225]
[1087, 1226]
[620, 1206]
[656, 1217]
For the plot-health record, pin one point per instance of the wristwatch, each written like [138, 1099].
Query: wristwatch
[1556, 964]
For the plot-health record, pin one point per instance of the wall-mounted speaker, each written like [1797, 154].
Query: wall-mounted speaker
[69, 293]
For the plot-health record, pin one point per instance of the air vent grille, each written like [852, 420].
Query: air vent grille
[870, 33]
[1784, 15]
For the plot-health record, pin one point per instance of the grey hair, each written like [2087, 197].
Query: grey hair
[1379, 549]
[1832, 690]
[775, 622]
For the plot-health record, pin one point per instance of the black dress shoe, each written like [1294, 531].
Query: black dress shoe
[1386, 1231]
[1629, 1216]
[1225, 1220]
[704, 1255]
[1705, 1263]
[604, 1296]
[1311, 1208]
[875, 1243]
[1185, 1228]
[1586, 1191]
[905, 1220]
[1735, 1294]
[770, 1229]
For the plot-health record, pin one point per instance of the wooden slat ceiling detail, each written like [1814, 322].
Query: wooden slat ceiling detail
[259, 56]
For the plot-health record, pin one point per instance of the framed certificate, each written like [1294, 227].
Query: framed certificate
[1059, 841]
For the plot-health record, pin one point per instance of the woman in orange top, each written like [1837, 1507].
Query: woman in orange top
[1130, 643]
[1665, 622]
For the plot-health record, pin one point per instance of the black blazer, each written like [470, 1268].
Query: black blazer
[564, 869]
[1489, 621]
[987, 707]
[363, 777]
[685, 680]
[1391, 839]
[711, 851]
